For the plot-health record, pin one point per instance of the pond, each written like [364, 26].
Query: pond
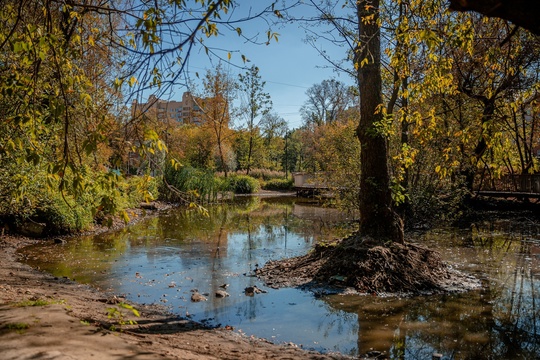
[163, 259]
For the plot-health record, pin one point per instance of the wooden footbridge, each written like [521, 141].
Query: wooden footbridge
[511, 186]
[310, 184]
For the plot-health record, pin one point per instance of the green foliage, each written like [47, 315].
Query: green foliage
[28, 194]
[242, 184]
[189, 185]
[278, 184]
[27, 197]
[116, 313]
[38, 302]
[17, 327]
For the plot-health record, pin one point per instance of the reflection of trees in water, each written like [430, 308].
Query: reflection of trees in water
[502, 321]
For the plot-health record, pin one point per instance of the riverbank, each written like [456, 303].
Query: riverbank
[43, 317]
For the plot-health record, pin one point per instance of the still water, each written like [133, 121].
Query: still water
[161, 260]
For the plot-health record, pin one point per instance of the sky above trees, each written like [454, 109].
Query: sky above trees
[289, 66]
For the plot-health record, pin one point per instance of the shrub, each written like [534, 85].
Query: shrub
[138, 189]
[104, 194]
[61, 216]
[242, 184]
[278, 184]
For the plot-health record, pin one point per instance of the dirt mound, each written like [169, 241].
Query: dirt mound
[368, 268]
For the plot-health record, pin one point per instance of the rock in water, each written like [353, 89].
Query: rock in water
[249, 291]
[252, 290]
[196, 297]
[221, 293]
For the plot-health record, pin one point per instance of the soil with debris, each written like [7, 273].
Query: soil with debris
[360, 264]
[43, 317]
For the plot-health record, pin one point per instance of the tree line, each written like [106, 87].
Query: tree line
[442, 99]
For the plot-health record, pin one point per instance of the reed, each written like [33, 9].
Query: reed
[190, 185]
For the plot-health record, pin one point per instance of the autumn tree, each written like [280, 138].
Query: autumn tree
[58, 106]
[326, 102]
[274, 129]
[378, 217]
[216, 100]
[255, 104]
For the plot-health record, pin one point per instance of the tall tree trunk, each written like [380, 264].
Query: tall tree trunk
[250, 150]
[482, 145]
[378, 218]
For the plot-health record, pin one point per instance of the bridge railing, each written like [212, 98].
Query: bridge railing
[310, 180]
[512, 183]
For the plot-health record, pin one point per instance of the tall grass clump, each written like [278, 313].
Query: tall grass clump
[188, 184]
[266, 174]
[242, 184]
[261, 174]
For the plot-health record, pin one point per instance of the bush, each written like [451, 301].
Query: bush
[278, 184]
[104, 194]
[27, 198]
[242, 184]
[62, 217]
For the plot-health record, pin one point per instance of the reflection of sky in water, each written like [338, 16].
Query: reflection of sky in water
[167, 273]
[162, 260]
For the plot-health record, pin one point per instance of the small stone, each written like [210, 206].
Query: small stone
[196, 297]
[221, 293]
[252, 290]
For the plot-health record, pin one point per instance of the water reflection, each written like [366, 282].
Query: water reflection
[162, 259]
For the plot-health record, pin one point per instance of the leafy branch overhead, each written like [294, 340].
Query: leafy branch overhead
[67, 70]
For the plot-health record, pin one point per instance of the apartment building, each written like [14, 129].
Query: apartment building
[186, 111]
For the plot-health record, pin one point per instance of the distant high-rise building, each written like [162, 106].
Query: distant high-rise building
[186, 111]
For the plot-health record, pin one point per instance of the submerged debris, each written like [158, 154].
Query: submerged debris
[252, 290]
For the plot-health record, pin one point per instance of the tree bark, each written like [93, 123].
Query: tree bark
[378, 218]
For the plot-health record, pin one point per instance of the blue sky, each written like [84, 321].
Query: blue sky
[289, 66]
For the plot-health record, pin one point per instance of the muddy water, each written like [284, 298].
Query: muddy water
[162, 260]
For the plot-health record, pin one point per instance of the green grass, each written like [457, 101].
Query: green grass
[19, 328]
[38, 302]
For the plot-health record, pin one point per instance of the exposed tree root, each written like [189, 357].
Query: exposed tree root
[355, 262]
